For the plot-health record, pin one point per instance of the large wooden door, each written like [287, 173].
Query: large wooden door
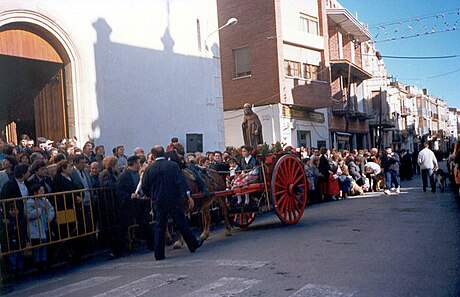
[32, 73]
[49, 109]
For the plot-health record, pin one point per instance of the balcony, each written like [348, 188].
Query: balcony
[311, 94]
[353, 114]
[386, 122]
[405, 111]
[341, 67]
[349, 23]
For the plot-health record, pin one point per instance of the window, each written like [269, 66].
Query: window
[321, 143]
[310, 71]
[242, 64]
[194, 142]
[304, 139]
[376, 100]
[308, 24]
[313, 27]
[292, 68]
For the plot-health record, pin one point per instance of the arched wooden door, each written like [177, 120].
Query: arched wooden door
[49, 111]
[33, 97]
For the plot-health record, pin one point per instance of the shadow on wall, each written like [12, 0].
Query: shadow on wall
[146, 96]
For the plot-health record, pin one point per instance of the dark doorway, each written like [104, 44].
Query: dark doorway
[31, 98]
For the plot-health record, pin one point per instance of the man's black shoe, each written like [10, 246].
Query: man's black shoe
[199, 243]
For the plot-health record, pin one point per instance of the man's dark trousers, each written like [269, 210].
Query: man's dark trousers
[425, 174]
[177, 214]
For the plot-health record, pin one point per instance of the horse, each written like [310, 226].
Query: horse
[214, 182]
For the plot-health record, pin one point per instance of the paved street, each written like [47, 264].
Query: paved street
[373, 245]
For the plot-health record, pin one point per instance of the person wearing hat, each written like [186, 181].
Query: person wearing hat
[252, 128]
[125, 193]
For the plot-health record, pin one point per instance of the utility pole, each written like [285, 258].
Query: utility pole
[380, 127]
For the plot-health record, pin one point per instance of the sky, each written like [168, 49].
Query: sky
[436, 15]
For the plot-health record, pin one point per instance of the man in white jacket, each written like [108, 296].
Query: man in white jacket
[428, 163]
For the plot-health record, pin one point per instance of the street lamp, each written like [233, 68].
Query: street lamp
[230, 22]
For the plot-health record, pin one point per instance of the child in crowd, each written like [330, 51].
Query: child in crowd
[345, 180]
[233, 169]
[17, 239]
[249, 175]
[39, 212]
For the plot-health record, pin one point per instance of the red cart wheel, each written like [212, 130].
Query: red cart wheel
[289, 189]
[242, 220]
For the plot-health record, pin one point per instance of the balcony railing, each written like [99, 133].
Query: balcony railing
[311, 93]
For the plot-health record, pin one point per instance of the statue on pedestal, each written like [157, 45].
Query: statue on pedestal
[252, 128]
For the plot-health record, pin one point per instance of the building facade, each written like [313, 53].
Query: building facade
[115, 72]
[276, 60]
[453, 125]
[348, 118]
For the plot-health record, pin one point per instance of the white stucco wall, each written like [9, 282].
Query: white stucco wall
[290, 17]
[140, 77]
[318, 131]
[275, 127]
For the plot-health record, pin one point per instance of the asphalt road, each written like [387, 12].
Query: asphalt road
[373, 245]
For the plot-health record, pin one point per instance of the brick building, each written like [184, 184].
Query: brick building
[348, 120]
[276, 59]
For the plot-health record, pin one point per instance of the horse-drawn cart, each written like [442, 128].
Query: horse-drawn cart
[282, 187]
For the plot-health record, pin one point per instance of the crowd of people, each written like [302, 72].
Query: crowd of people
[336, 175]
[38, 168]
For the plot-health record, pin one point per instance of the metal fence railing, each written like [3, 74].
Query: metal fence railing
[31, 222]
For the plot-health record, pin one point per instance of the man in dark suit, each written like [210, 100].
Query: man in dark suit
[125, 193]
[15, 188]
[38, 169]
[80, 175]
[82, 180]
[325, 169]
[163, 182]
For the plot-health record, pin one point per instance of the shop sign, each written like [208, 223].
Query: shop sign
[305, 115]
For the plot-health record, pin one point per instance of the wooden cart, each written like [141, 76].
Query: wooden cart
[283, 188]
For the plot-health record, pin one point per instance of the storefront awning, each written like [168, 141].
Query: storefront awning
[343, 134]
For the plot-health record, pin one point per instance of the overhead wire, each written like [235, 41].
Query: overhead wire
[444, 21]
[421, 17]
[415, 35]
[416, 57]
[430, 77]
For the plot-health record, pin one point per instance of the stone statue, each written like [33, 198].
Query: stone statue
[252, 128]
